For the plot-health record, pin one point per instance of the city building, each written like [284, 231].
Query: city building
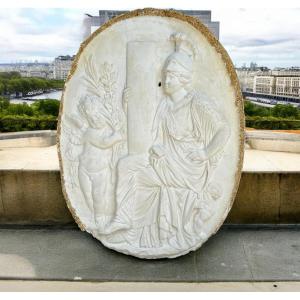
[93, 22]
[59, 69]
[61, 66]
[288, 86]
[46, 72]
[280, 81]
[42, 70]
[264, 84]
[246, 79]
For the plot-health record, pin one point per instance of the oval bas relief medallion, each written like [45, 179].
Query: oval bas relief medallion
[151, 134]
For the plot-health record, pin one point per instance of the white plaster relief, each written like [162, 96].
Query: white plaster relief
[145, 151]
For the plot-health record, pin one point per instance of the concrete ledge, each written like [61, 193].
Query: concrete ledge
[32, 197]
[266, 197]
[35, 197]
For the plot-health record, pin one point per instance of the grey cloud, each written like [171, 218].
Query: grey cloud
[263, 42]
[257, 42]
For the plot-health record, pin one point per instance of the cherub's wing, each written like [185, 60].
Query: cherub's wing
[71, 181]
[73, 134]
[73, 128]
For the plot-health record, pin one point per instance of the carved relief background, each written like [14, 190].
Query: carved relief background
[150, 138]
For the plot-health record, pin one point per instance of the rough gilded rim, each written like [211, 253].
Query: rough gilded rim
[234, 83]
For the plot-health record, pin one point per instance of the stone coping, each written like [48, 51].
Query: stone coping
[273, 141]
[45, 158]
[27, 134]
[249, 134]
[270, 135]
[263, 140]
[232, 255]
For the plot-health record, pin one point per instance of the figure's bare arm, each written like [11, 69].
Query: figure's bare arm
[74, 128]
[104, 142]
[73, 120]
[219, 140]
[125, 98]
[216, 144]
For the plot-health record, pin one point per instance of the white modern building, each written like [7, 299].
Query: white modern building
[246, 79]
[61, 66]
[288, 86]
[281, 82]
[264, 85]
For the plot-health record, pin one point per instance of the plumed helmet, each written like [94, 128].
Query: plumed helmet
[183, 56]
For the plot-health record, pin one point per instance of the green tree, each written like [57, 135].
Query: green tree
[47, 107]
[26, 86]
[11, 82]
[285, 111]
[10, 75]
[2, 88]
[19, 109]
[14, 85]
[4, 104]
[252, 109]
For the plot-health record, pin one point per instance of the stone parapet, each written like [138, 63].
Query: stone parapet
[34, 197]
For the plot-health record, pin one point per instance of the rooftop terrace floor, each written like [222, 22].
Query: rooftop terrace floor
[232, 255]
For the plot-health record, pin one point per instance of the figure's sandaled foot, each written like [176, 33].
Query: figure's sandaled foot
[116, 226]
[106, 226]
[102, 222]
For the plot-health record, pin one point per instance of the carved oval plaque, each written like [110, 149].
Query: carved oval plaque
[151, 134]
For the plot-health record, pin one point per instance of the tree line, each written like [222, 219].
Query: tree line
[43, 114]
[48, 107]
[280, 116]
[12, 82]
[286, 111]
[40, 115]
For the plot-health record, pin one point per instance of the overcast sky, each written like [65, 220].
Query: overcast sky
[269, 37]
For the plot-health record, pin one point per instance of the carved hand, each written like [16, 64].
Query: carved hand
[198, 155]
[74, 120]
[157, 151]
[117, 137]
[126, 96]
[118, 125]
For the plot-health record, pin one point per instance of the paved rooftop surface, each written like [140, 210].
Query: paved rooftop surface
[117, 286]
[233, 254]
[31, 158]
[45, 158]
[269, 161]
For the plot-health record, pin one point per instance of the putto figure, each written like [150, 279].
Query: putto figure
[96, 140]
[163, 196]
